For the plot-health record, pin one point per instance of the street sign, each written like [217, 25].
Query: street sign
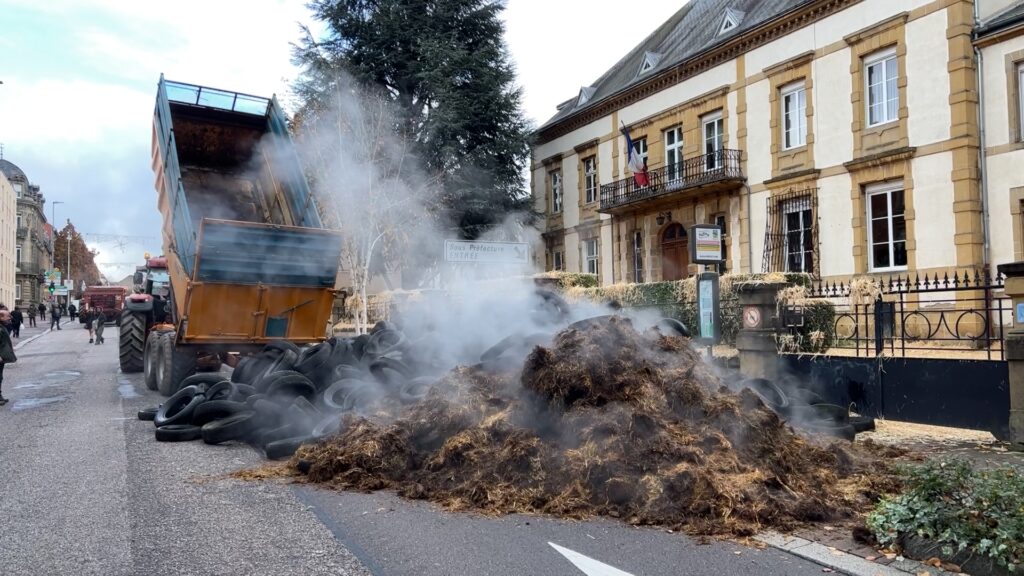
[486, 252]
[61, 291]
[53, 275]
[69, 283]
[706, 247]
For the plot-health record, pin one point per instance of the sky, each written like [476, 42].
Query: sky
[79, 82]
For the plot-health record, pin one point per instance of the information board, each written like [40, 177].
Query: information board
[486, 252]
[706, 247]
[708, 313]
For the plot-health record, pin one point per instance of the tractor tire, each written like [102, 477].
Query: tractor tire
[175, 364]
[132, 341]
[151, 358]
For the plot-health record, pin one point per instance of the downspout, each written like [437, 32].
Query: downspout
[982, 160]
[750, 232]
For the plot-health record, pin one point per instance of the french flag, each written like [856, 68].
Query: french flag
[636, 164]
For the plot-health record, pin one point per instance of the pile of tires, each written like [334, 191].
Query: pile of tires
[286, 395]
[805, 410]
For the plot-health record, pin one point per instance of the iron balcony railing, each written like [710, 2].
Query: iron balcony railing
[719, 166]
[22, 232]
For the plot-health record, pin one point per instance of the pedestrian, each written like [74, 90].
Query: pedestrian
[54, 316]
[42, 311]
[6, 350]
[72, 310]
[32, 315]
[16, 320]
[86, 317]
[98, 326]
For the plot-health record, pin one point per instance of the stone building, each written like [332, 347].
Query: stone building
[835, 137]
[7, 241]
[33, 250]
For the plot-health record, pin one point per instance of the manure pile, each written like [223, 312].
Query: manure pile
[603, 421]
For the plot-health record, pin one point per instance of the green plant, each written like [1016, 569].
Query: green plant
[981, 512]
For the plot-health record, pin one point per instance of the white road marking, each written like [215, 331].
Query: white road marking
[587, 565]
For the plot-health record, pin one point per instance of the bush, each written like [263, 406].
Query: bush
[566, 280]
[980, 512]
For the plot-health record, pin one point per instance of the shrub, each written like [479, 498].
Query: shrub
[981, 512]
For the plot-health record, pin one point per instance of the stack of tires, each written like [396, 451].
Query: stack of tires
[286, 396]
[805, 410]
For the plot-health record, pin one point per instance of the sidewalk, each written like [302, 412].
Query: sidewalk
[29, 333]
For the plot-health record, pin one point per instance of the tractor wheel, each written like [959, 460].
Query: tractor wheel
[132, 341]
[175, 363]
[151, 358]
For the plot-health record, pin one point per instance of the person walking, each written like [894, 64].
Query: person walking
[6, 350]
[32, 315]
[86, 318]
[98, 325]
[54, 316]
[16, 320]
[42, 311]
[72, 310]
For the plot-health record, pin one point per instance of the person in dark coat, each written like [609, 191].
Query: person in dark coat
[32, 315]
[6, 350]
[72, 310]
[98, 325]
[42, 312]
[86, 318]
[16, 321]
[54, 316]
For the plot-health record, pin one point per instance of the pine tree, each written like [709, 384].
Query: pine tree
[445, 66]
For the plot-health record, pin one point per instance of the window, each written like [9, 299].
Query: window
[17, 189]
[651, 60]
[883, 99]
[1020, 99]
[17, 255]
[556, 191]
[590, 255]
[713, 136]
[673, 153]
[797, 218]
[730, 21]
[590, 178]
[887, 228]
[720, 221]
[641, 149]
[638, 257]
[17, 291]
[558, 263]
[19, 219]
[794, 116]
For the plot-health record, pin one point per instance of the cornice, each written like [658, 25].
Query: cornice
[749, 40]
[874, 160]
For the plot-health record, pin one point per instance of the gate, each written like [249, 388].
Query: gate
[927, 350]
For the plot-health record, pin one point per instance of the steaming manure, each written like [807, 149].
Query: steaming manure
[603, 421]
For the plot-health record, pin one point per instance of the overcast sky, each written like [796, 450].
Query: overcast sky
[79, 81]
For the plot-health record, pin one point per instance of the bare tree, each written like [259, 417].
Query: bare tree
[367, 181]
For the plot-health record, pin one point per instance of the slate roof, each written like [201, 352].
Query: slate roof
[11, 171]
[689, 32]
[1006, 18]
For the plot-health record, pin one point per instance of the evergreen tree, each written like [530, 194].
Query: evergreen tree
[445, 67]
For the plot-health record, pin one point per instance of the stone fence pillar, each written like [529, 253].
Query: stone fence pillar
[1013, 344]
[755, 341]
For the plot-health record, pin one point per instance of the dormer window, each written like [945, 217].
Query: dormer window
[585, 93]
[730, 21]
[651, 60]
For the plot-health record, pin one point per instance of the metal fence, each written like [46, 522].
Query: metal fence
[962, 315]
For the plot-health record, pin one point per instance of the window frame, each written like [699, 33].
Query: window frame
[19, 218]
[888, 189]
[1020, 101]
[797, 206]
[881, 57]
[798, 89]
[557, 193]
[638, 256]
[590, 183]
[18, 189]
[673, 151]
[588, 258]
[17, 255]
[17, 291]
[717, 119]
[557, 260]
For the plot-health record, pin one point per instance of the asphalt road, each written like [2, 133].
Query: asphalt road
[85, 489]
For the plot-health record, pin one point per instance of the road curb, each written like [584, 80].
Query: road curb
[843, 562]
[37, 336]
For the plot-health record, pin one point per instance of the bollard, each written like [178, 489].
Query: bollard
[755, 341]
[1013, 344]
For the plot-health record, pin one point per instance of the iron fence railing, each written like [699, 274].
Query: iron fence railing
[968, 312]
[721, 165]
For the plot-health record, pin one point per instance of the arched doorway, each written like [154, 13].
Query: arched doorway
[675, 252]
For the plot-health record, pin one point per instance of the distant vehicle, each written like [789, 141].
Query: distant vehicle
[248, 258]
[109, 298]
[147, 306]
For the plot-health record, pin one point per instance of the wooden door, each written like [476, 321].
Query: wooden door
[675, 253]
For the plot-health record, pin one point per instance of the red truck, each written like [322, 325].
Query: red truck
[109, 298]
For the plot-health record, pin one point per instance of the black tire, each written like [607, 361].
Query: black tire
[346, 371]
[390, 372]
[178, 409]
[308, 409]
[253, 399]
[501, 347]
[235, 427]
[176, 364]
[313, 359]
[862, 423]
[334, 397]
[341, 352]
[223, 390]
[673, 325]
[131, 342]
[151, 359]
[244, 390]
[279, 433]
[285, 362]
[148, 414]
[590, 322]
[241, 370]
[328, 426]
[359, 345]
[178, 433]
[204, 380]
[216, 410]
[287, 385]
[269, 414]
[282, 449]
[384, 341]
[282, 345]
[382, 325]
[770, 393]
[829, 428]
[552, 307]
